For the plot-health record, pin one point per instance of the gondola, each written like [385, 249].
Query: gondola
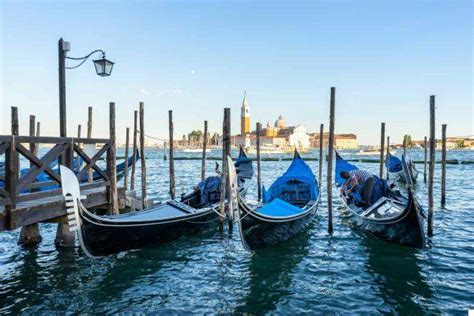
[287, 208]
[104, 235]
[394, 166]
[391, 216]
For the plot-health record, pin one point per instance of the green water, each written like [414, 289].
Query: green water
[348, 272]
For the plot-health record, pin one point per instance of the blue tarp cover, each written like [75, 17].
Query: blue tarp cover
[394, 164]
[342, 165]
[279, 207]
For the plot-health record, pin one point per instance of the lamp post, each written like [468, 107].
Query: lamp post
[103, 68]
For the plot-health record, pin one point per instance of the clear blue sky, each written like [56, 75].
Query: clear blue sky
[197, 57]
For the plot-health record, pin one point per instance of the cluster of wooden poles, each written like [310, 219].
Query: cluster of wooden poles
[226, 147]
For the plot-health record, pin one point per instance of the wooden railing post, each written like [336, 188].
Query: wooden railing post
[30, 234]
[112, 162]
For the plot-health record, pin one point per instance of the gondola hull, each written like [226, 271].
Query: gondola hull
[100, 240]
[259, 232]
[405, 229]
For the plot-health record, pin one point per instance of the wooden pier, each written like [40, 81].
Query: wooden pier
[31, 190]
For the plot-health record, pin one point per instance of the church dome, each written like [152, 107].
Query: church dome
[280, 123]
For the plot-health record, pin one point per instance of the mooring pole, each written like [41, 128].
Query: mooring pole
[30, 234]
[172, 181]
[225, 152]
[135, 149]
[443, 166]
[78, 167]
[330, 156]
[431, 166]
[142, 153]
[38, 127]
[259, 175]
[204, 148]
[79, 127]
[321, 134]
[164, 150]
[89, 135]
[426, 160]
[382, 148]
[405, 145]
[388, 160]
[112, 162]
[125, 170]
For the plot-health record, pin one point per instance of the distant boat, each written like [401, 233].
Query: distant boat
[195, 150]
[392, 216]
[372, 152]
[109, 234]
[395, 168]
[288, 207]
[265, 150]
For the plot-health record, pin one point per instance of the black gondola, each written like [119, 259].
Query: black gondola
[395, 168]
[104, 235]
[391, 216]
[288, 207]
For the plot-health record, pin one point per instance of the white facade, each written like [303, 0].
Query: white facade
[299, 137]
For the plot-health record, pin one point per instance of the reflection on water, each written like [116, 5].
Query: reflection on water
[211, 272]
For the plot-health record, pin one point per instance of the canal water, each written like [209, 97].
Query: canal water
[347, 272]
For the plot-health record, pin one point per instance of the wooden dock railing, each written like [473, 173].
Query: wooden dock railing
[23, 186]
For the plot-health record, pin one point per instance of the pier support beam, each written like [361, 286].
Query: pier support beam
[64, 237]
[30, 234]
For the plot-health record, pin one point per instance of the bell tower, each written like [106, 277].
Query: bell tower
[245, 117]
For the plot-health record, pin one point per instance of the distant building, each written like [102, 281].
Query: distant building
[250, 140]
[244, 117]
[342, 141]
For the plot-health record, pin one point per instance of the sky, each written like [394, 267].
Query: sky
[196, 57]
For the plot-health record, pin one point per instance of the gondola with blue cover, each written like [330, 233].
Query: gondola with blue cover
[391, 216]
[109, 234]
[395, 168]
[288, 207]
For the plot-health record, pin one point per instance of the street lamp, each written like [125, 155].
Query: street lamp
[103, 68]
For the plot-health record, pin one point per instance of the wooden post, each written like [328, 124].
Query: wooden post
[164, 151]
[330, 156]
[89, 135]
[321, 132]
[135, 149]
[12, 166]
[204, 148]
[443, 166]
[78, 158]
[30, 234]
[171, 164]
[259, 171]
[142, 153]
[388, 161]
[431, 166]
[382, 147]
[425, 172]
[125, 170]
[405, 145]
[225, 153]
[38, 127]
[112, 162]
